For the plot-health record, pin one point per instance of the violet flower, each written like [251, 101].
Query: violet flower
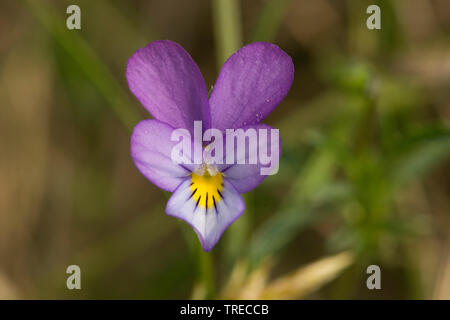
[168, 83]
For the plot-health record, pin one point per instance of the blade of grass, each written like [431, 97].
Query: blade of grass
[88, 61]
[270, 20]
[296, 210]
[227, 28]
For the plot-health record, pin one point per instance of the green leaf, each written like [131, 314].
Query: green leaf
[420, 152]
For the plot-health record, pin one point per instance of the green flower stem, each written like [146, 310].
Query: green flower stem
[206, 270]
[228, 38]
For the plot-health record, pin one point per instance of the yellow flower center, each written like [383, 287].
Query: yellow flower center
[206, 188]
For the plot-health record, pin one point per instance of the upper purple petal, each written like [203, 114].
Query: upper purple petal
[251, 83]
[151, 149]
[169, 84]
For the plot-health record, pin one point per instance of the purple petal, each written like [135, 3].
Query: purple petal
[151, 149]
[246, 177]
[252, 82]
[208, 223]
[169, 84]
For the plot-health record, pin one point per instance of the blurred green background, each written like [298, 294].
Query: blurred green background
[364, 174]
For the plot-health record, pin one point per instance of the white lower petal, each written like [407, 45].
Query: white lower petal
[208, 222]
